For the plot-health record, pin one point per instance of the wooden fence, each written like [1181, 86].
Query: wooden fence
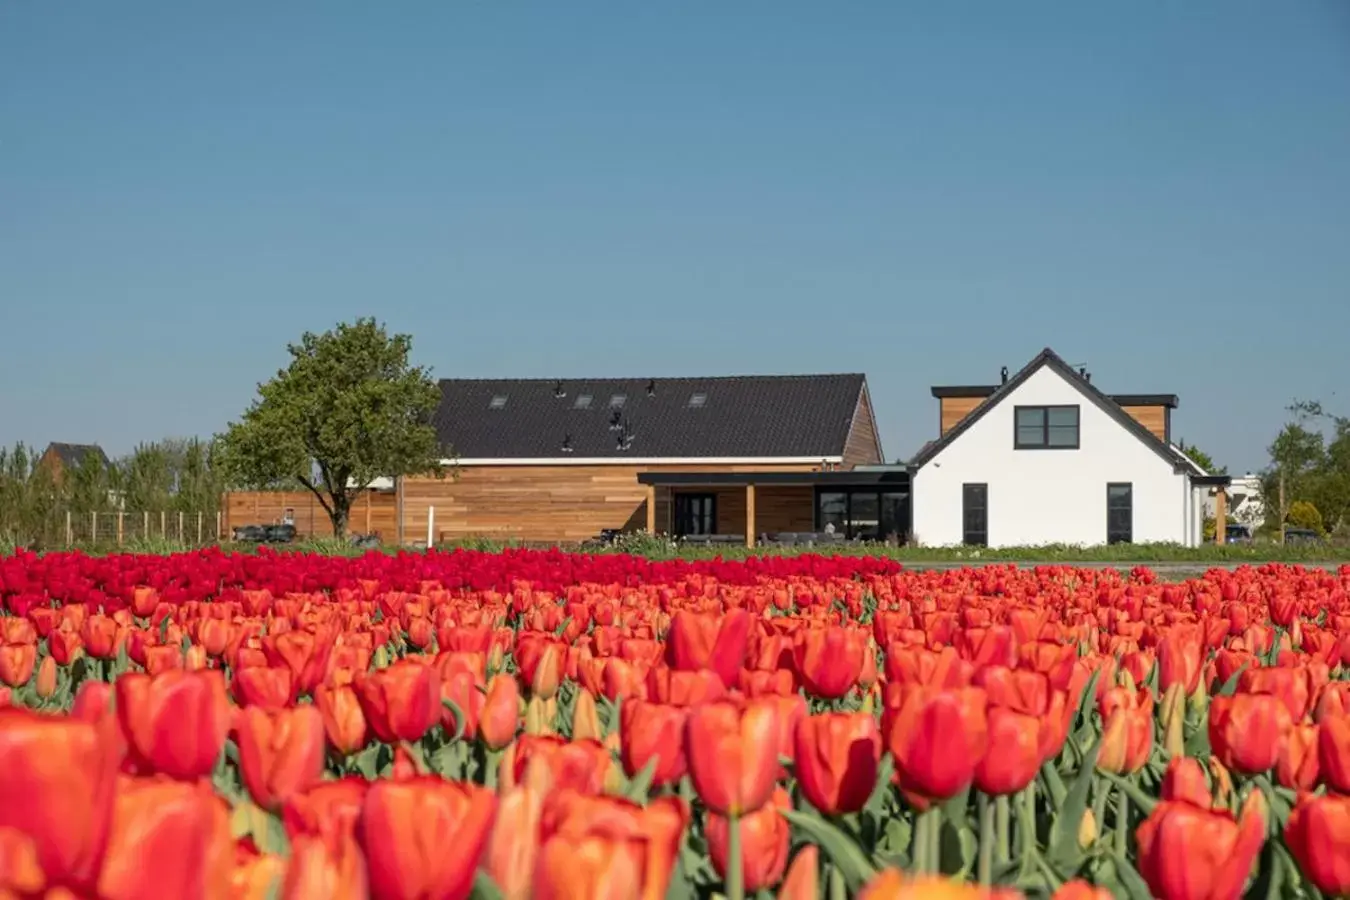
[375, 512]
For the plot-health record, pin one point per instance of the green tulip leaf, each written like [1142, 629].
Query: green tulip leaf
[484, 888]
[460, 721]
[1064, 833]
[641, 784]
[1143, 801]
[842, 851]
[1229, 687]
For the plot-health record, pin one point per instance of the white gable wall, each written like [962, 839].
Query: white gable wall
[1050, 496]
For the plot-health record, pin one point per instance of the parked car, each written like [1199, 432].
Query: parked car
[1238, 534]
[1301, 536]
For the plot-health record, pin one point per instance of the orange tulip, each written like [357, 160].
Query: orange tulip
[57, 788]
[1297, 766]
[406, 828]
[802, 881]
[100, 636]
[344, 724]
[280, 752]
[653, 731]
[513, 846]
[580, 765]
[1180, 659]
[17, 662]
[271, 687]
[176, 722]
[937, 738]
[837, 756]
[334, 870]
[401, 702]
[1246, 731]
[183, 827]
[1317, 834]
[1186, 852]
[655, 829]
[765, 839]
[1333, 752]
[256, 875]
[539, 659]
[500, 717]
[1127, 734]
[1185, 781]
[1014, 755]
[733, 754]
[45, 686]
[325, 809]
[829, 660]
[304, 653]
[589, 867]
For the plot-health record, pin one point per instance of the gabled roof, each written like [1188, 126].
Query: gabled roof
[72, 455]
[1110, 406]
[736, 417]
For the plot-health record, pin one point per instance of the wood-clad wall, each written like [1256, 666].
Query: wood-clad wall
[375, 512]
[569, 504]
[954, 409]
[861, 446]
[1154, 418]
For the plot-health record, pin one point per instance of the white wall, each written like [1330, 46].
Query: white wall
[1050, 496]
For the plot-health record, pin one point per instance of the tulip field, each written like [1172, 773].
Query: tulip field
[543, 725]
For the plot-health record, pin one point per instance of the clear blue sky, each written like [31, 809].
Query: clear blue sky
[921, 191]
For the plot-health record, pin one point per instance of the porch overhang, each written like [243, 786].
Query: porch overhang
[897, 477]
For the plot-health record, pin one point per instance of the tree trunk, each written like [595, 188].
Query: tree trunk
[1284, 510]
[339, 515]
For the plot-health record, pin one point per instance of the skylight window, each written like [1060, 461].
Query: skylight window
[583, 401]
[498, 401]
[696, 401]
[617, 401]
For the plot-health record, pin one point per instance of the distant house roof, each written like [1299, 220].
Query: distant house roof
[1110, 405]
[804, 417]
[72, 455]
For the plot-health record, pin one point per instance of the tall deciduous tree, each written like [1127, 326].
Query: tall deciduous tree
[1202, 459]
[348, 409]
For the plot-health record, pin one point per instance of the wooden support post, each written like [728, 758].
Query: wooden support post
[70, 533]
[749, 515]
[1220, 515]
[199, 527]
[121, 526]
[651, 509]
[368, 503]
[219, 536]
[163, 524]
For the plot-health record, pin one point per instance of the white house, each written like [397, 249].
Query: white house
[1244, 501]
[1046, 458]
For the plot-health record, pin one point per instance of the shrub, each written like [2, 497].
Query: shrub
[1303, 514]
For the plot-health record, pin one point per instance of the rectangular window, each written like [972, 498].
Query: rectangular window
[1045, 428]
[695, 514]
[1120, 513]
[975, 514]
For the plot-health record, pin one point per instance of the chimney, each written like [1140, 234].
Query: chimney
[1003, 375]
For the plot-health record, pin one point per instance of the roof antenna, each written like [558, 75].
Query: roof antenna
[558, 390]
[651, 388]
[567, 443]
[615, 420]
[1003, 375]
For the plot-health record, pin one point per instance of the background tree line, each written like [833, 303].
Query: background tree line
[1307, 483]
[169, 476]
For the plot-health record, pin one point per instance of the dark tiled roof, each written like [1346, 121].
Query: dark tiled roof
[72, 455]
[1048, 357]
[740, 416]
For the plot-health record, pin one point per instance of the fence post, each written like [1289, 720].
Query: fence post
[199, 528]
[121, 526]
[180, 526]
[431, 527]
[219, 537]
[145, 524]
[70, 535]
[93, 527]
[163, 531]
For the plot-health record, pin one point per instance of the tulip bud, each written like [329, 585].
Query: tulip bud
[537, 720]
[500, 716]
[1223, 783]
[1087, 829]
[46, 678]
[1173, 717]
[586, 717]
[195, 658]
[1126, 680]
[381, 657]
[548, 674]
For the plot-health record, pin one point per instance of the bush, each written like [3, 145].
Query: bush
[1303, 514]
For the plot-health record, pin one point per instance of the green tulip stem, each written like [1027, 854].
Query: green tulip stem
[987, 831]
[1026, 830]
[1003, 826]
[918, 854]
[735, 864]
[1122, 822]
[838, 888]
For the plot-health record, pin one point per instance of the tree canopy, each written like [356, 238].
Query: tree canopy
[1311, 456]
[1202, 459]
[348, 409]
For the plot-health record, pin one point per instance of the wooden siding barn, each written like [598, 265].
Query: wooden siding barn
[375, 512]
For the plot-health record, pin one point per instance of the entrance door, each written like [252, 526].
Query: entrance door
[1120, 513]
[975, 514]
[695, 514]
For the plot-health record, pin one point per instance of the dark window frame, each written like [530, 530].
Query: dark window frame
[683, 516]
[880, 493]
[1115, 534]
[1044, 443]
[967, 509]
